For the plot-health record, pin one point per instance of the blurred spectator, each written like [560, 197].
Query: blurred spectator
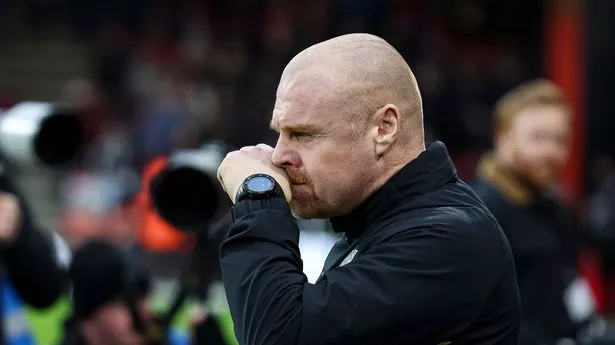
[159, 123]
[29, 265]
[93, 208]
[83, 94]
[516, 182]
[110, 69]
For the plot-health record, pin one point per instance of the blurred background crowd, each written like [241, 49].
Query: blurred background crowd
[153, 76]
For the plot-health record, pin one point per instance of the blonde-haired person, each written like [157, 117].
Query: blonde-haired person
[517, 182]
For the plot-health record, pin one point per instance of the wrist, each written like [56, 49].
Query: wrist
[249, 206]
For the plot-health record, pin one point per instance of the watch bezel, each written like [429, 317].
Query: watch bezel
[245, 192]
[246, 184]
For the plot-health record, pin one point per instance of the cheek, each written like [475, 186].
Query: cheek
[526, 151]
[527, 147]
[118, 321]
[326, 167]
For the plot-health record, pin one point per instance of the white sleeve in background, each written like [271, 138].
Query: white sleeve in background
[314, 245]
[62, 250]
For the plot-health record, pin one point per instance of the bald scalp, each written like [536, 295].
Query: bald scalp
[363, 74]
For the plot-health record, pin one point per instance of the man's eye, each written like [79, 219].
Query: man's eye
[302, 135]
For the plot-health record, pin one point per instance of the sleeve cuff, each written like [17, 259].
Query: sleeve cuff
[267, 219]
[248, 206]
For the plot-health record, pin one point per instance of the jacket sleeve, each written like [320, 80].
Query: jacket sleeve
[418, 284]
[30, 261]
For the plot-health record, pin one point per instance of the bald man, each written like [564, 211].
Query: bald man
[420, 259]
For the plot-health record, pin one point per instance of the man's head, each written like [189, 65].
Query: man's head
[99, 276]
[532, 124]
[349, 115]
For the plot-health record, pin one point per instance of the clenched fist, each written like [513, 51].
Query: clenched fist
[238, 165]
[10, 218]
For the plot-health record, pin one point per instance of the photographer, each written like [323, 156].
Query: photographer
[102, 278]
[28, 259]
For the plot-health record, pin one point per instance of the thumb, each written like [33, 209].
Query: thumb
[265, 147]
[219, 176]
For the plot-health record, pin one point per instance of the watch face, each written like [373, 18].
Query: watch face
[260, 184]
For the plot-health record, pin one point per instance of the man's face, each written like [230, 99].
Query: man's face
[113, 323]
[538, 140]
[327, 159]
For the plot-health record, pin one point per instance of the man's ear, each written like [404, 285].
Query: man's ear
[387, 127]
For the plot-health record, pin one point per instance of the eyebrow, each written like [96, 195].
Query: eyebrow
[296, 128]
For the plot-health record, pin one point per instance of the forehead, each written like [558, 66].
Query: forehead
[548, 117]
[305, 98]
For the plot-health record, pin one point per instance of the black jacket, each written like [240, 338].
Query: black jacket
[71, 336]
[432, 265]
[30, 262]
[543, 234]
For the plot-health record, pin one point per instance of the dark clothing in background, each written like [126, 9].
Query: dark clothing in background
[30, 262]
[543, 236]
[71, 335]
[431, 265]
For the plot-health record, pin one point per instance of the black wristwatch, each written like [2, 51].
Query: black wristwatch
[257, 187]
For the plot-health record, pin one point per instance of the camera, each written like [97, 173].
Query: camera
[186, 193]
[34, 134]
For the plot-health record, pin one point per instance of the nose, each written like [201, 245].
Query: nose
[283, 156]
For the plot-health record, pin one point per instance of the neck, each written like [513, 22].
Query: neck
[392, 165]
[506, 163]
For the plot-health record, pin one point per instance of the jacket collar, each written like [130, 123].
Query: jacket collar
[513, 188]
[429, 171]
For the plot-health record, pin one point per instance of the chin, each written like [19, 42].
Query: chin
[302, 213]
[543, 180]
[306, 211]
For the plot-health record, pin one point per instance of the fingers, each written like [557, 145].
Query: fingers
[265, 147]
[261, 146]
[237, 165]
[219, 175]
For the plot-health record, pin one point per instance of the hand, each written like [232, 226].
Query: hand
[10, 218]
[238, 165]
